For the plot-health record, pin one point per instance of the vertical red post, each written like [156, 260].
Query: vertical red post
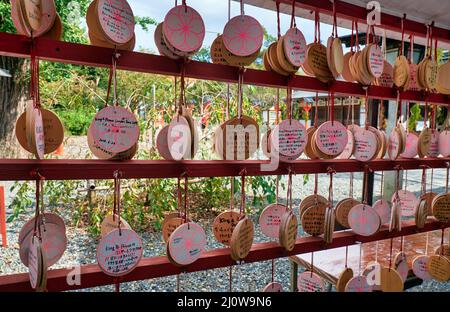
[3, 217]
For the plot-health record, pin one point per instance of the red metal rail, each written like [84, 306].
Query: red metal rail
[154, 267]
[66, 52]
[354, 12]
[66, 169]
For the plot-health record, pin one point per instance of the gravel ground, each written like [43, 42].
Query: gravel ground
[247, 277]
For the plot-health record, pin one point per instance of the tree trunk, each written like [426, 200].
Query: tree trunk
[13, 93]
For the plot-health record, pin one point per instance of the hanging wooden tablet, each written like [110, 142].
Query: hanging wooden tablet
[310, 282]
[224, 225]
[53, 131]
[109, 224]
[50, 21]
[317, 62]
[439, 268]
[308, 148]
[343, 208]
[18, 18]
[56, 31]
[53, 238]
[162, 47]
[421, 213]
[443, 250]
[358, 284]
[441, 207]
[343, 279]
[331, 138]
[364, 220]
[387, 77]
[391, 281]
[428, 198]
[170, 225]
[365, 145]
[281, 58]
[401, 265]
[270, 219]
[179, 138]
[288, 230]
[187, 243]
[443, 80]
[273, 287]
[288, 139]
[33, 13]
[424, 142]
[408, 202]
[294, 46]
[162, 144]
[37, 266]
[116, 20]
[420, 267]
[119, 252]
[217, 51]
[444, 143]
[349, 147]
[311, 200]
[242, 239]
[313, 219]
[243, 35]
[401, 71]
[395, 144]
[184, 28]
[239, 61]
[274, 62]
[412, 140]
[383, 210]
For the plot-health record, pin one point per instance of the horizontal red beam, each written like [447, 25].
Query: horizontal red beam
[154, 267]
[73, 53]
[67, 169]
[359, 13]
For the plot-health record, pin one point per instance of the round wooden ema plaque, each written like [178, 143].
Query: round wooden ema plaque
[308, 148]
[343, 208]
[420, 267]
[331, 138]
[54, 240]
[401, 71]
[114, 130]
[239, 138]
[430, 73]
[243, 35]
[421, 213]
[365, 145]
[337, 56]
[441, 207]
[375, 60]
[391, 281]
[55, 33]
[364, 220]
[274, 62]
[310, 282]
[433, 151]
[349, 148]
[162, 47]
[401, 265]
[33, 13]
[346, 73]
[428, 198]
[387, 77]
[119, 252]
[17, 18]
[170, 224]
[444, 143]
[343, 279]
[289, 139]
[36, 264]
[187, 243]
[224, 225]
[116, 20]
[37, 134]
[424, 144]
[439, 268]
[408, 202]
[110, 223]
[394, 144]
[270, 220]
[358, 284]
[217, 51]
[281, 57]
[288, 230]
[311, 200]
[317, 62]
[184, 28]
[235, 60]
[179, 138]
[48, 18]
[313, 219]
[273, 287]
[383, 210]
[294, 45]
[162, 145]
[412, 141]
[242, 239]
[53, 131]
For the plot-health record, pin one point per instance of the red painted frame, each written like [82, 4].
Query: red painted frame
[80, 54]
[154, 267]
[69, 169]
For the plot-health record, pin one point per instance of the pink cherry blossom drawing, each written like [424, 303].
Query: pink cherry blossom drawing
[243, 35]
[184, 28]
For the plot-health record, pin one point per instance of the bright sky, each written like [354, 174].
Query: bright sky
[215, 16]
